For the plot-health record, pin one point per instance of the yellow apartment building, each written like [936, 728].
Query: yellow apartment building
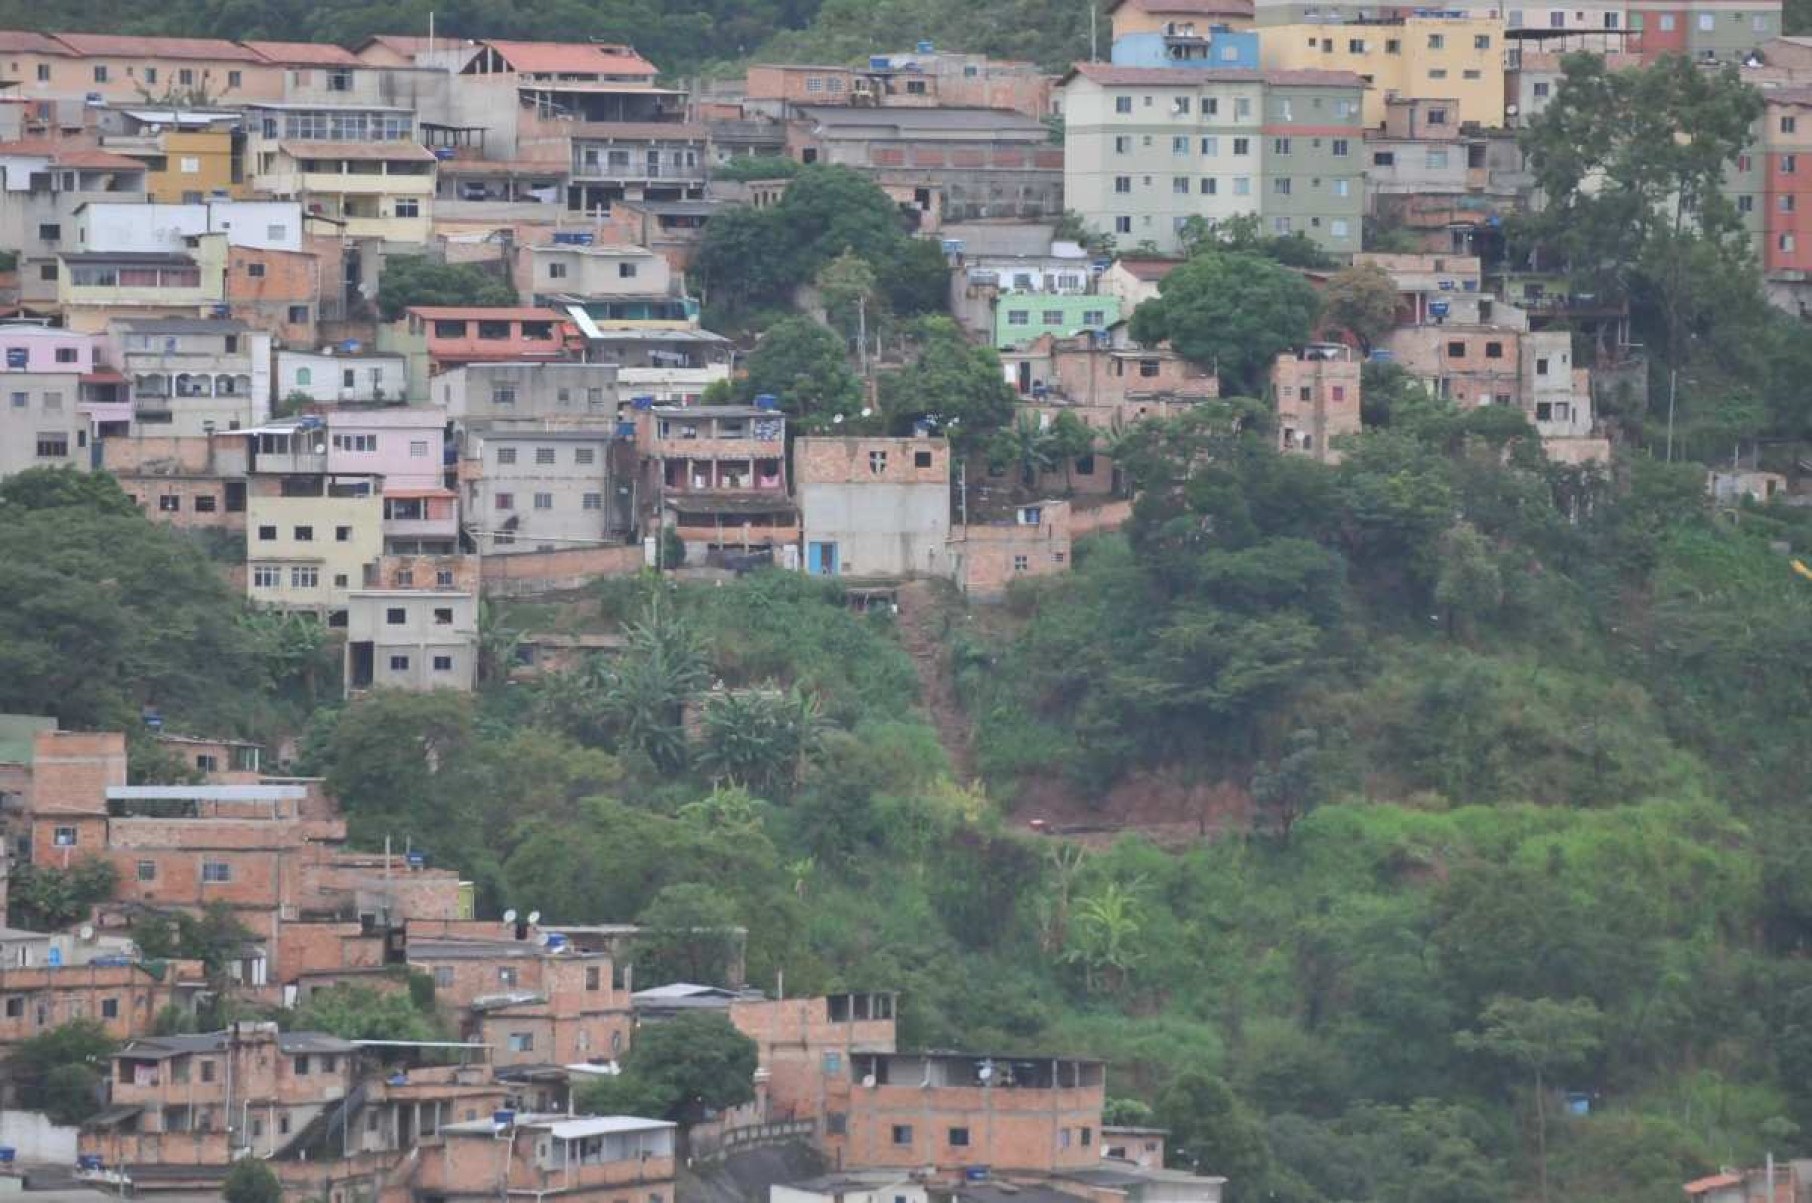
[96, 287]
[1418, 58]
[307, 552]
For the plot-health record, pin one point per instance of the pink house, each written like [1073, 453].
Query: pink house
[31, 347]
[402, 444]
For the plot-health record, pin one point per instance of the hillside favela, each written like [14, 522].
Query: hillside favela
[905, 601]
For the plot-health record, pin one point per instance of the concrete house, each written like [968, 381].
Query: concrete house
[874, 507]
[191, 376]
[417, 640]
[1316, 391]
[544, 490]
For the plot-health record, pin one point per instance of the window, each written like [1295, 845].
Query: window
[234, 78]
[216, 871]
[53, 446]
[1019, 564]
[1787, 203]
[147, 870]
[544, 501]
[1494, 350]
[1122, 104]
[396, 616]
[1541, 367]
[169, 505]
[1384, 158]
[1280, 146]
[1667, 22]
[1019, 317]
[406, 206]
[1437, 159]
[1209, 185]
[1341, 148]
[626, 271]
[63, 837]
[298, 314]
[1242, 185]
[1094, 319]
[1786, 242]
[902, 1134]
[1707, 22]
[506, 501]
[1053, 317]
[1745, 204]
[506, 455]
[443, 664]
[443, 616]
[267, 576]
[100, 74]
[301, 1066]
[47, 271]
[1063, 1138]
[1281, 185]
[1437, 41]
[1179, 105]
[1088, 1136]
[544, 455]
[584, 455]
[1123, 184]
[399, 664]
[1122, 225]
[1179, 185]
[959, 1138]
[305, 534]
[1789, 164]
[186, 77]
[443, 578]
[877, 462]
[1211, 146]
[1342, 187]
[1242, 146]
[1469, 73]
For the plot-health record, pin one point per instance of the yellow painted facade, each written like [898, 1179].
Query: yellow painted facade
[308, 553]
[197, 164]
[1422, 58]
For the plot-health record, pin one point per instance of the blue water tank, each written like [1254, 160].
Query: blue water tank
[418, 860]
[503, 1119]
[766, 401]
[7, 1154]
[1382, 356]
[90, 1161]
[879, 62]
[556, 942]
[976, 1173]
[644, 402]
[1439, 308]
[443, 153]
[925, 47]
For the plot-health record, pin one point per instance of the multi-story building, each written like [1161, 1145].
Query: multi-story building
[192, 376]
[947, 164]
[42, 187]
[1177, 18]
[100, 979]
[923, 78]
[672, 229]
[417, 640]
[436, 338]
[991, 551]
[485, 396]
[636, 161]
[1450, 57]
[717, 476]
[43, 423]
[188, 155]
[804, 1047]
[95, 288]
[545, 490]
[194, 481]
[1020, 318]
[874, 507]
[1148, 149]
[671, 365]
[330, 375]
[533, 1003]
[382, 190]
[572, 1158]
[618, 271]
[120, 69]
[196, 1103]
[310, 534]
[953, 1111]
[1316, 391]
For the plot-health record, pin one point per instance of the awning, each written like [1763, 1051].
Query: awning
[111, 1117]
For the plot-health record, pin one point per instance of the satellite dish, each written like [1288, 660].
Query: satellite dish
[534, 916]
[867, 412]
[86, 931]
[837, 421]
[509, 916]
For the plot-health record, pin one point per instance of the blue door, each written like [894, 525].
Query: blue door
[821, 559]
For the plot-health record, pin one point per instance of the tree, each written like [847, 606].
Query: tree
[1232, 312]
[1541, 1037]
[1072, 439]
[850, 290]
[957, 387]
[46, 898]
[1362, 300]
[1026, 446]
[65, 488]
[645, 694]
[1211, 1132]
[411, 280]
[688, 1067]
[746, 258]
[760, 738]
[807, 367]
[1104, 929]
[60, 1071]
[251, 1181]
[690, 933]
[831, 210]
[362, 1013]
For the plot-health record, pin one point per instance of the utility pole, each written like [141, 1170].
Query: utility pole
[1094, 55]
[862, 330]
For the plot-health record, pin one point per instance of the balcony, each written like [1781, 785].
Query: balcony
[421, 514]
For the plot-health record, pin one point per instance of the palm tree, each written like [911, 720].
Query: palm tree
[1027, 445]
[645, 694]
[497, 643]
[1107, 922]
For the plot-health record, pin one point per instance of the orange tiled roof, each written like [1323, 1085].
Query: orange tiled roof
[108, 45]
[573, 58]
